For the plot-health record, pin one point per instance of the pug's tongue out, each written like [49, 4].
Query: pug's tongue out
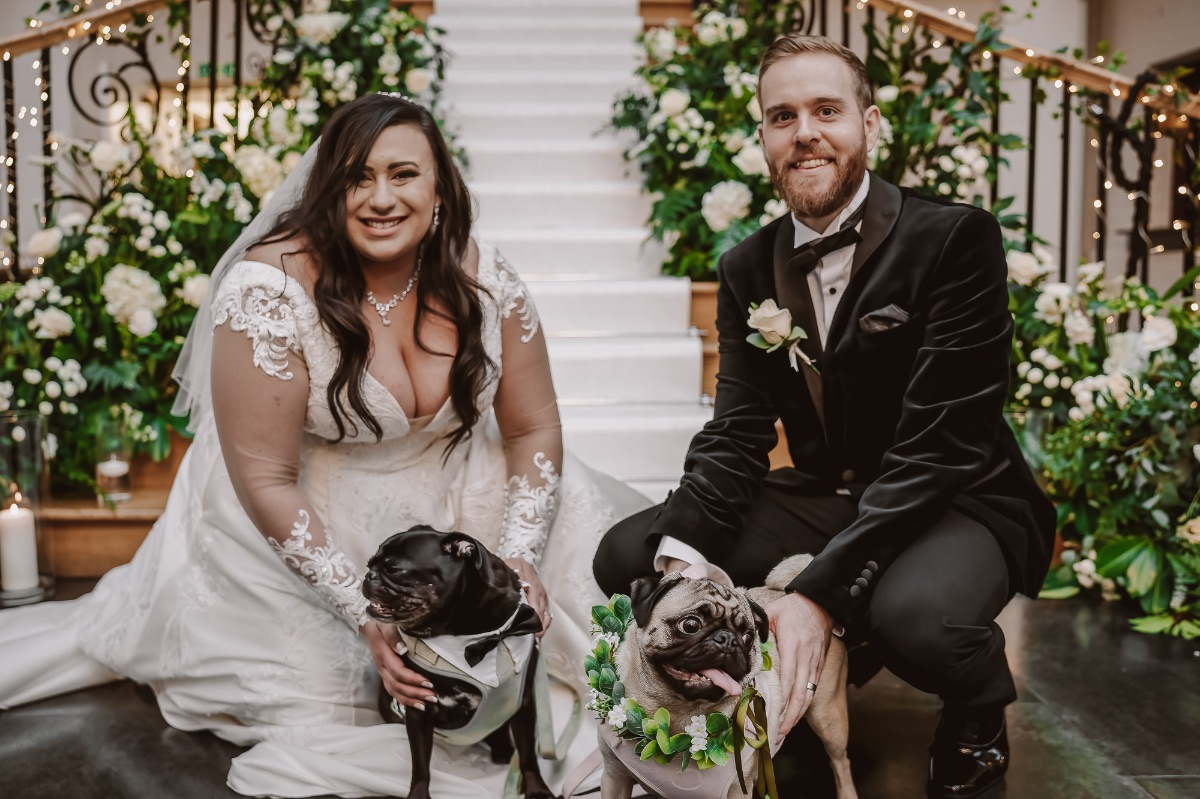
[714, 676]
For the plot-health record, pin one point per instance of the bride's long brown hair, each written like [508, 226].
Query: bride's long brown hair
[340, 287]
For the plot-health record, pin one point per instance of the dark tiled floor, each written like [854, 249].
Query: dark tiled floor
[1103, 713]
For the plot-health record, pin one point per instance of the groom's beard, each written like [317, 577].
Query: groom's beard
[807, 200]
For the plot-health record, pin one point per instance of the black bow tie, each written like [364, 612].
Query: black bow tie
[806, 257]
[527, 622]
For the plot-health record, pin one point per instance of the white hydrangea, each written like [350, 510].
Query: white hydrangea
[1125, 354]
[1158, 333]
[320, 28]
[1079, 328]
[725, 203]
[133, 297]
[1024, 268]
[661, 43]
[51, 323]
[261, 172]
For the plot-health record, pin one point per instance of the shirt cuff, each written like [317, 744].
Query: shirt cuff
[672, 548]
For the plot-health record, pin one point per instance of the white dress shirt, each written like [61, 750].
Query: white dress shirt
[826, 283]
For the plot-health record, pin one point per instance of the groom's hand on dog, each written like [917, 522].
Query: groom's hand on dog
[403, 684]
[802, 630]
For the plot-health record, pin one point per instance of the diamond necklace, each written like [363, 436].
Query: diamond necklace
[384, 308]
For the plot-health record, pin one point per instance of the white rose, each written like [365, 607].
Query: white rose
[1023, 267]
[53, 390]
[194, 290]
[1079, 328]
[45, 408]
[1158, 333]
[1124, 356]
[751, 159]
[418, 80]
[53, 364]
[109, 156]
[390, 63]
[44, 243]
[725, 202]
[51, 323]
[771, 321]
[142, 323]
[660, 44]
[72, 222]
[32, 376]
[737, 28]
[886, 94]
[1051, 305]
[673, 102]
[735, 141]
[1035, 375]
[755, 109]
[1051, 381]
[1023, 369]
[1089, 272]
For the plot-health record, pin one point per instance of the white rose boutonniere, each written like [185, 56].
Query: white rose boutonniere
[773, 329]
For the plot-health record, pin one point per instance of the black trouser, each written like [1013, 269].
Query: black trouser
[931, 618]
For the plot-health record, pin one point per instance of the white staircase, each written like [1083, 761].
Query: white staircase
[529, 91]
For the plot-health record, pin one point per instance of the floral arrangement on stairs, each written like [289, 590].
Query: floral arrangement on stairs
[1107, 415]
[136, 224]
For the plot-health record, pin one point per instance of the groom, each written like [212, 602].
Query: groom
[908, 482]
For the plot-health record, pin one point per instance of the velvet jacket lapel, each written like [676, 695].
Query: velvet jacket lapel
[794, 295]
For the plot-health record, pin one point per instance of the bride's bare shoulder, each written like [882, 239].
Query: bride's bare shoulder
[290, 253]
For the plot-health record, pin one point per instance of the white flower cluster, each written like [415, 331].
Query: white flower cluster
[1026, 268]
[725, 203]
[319, 28]
[261, 172]
[966, 165]
[596, 700]
[612, 638]
[772, 211]
[35, 290]
[883, 145]
[6, 394]
[750, 159]
[418, 81]
[738, 80]
[44, 243]
[66, 382]
[340, 77]
[716, 27]
[134, 298]
[109, 156]
[617, 715]
[661, 43]
[698, 729]
[194, 289]
[1041, 369]
[135, 425]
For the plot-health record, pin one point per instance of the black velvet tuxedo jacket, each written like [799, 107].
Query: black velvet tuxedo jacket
[908, 418]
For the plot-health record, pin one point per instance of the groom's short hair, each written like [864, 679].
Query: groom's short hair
[801, 43]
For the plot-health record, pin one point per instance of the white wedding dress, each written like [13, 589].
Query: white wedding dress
[232, 641]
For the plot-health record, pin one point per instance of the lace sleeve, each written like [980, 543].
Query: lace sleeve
[260, 397]
[527, 413]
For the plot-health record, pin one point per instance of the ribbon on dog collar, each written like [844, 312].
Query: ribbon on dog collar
[753, 708]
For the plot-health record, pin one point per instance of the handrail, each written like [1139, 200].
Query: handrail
[1079, 73]
[53, 33]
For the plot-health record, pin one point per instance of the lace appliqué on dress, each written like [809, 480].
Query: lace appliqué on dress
[515, 297]
[327, 569]
[269, 322]
[528, 512]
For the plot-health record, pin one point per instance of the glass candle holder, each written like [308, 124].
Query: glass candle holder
[113, 459]
[20, 474]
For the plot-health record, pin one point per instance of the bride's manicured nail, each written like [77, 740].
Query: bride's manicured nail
[419, 706]
[427, 684]
[433, 699]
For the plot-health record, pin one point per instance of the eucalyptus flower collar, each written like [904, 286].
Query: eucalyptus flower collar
[707, 740]
[773, 329]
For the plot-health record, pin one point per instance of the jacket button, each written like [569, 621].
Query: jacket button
[868, 573]
[855, 590]
[848, 476]
[872, 565]
[861, 581]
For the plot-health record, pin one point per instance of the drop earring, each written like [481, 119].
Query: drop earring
[433, 226]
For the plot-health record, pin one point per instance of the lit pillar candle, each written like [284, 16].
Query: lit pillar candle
[18, 549]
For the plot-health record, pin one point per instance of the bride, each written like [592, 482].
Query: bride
[372, 368]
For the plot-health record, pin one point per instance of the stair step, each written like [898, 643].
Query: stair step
[538, 28]
[525, 86]
[592, 204]
[476, 56]
[500, 120]
[634, 442]
[540, 8]
[639, 307]
[551, 161]
[633, 369]
[578, 252]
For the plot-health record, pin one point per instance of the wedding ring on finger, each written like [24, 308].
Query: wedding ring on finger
[549, 616]
[812, 686]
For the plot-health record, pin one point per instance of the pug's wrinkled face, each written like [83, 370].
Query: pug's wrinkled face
[701, 637]
[414, 575]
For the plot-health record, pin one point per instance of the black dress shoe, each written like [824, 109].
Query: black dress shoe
[969, 757]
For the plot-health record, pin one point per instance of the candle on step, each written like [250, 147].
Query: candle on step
[18, 549]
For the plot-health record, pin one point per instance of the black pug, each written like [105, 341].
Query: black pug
[430, 583]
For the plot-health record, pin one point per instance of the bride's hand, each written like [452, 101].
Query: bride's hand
[534, 592]
[404, 685]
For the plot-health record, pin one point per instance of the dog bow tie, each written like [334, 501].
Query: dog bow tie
[806, 257]
[526, 622]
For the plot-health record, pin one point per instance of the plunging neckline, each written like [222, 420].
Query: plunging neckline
[428, 418]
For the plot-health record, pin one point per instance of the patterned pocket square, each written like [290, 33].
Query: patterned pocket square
[883, 319]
